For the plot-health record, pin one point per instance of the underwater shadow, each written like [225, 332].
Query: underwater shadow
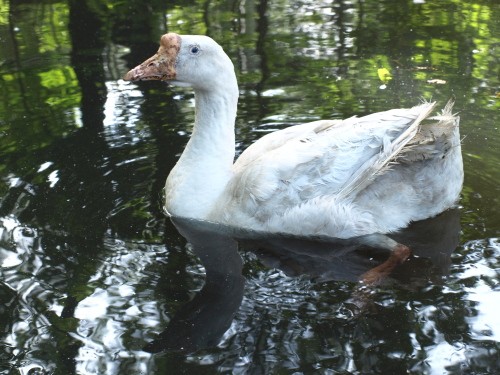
[201, 323]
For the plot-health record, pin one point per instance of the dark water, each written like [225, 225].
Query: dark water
[91, 272]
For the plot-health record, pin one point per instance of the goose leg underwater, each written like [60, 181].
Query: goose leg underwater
[333, 178]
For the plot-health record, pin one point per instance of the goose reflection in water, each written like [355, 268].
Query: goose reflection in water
[202, 322]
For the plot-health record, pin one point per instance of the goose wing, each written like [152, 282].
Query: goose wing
[287, 168]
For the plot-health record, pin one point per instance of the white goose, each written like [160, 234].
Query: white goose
[373, 174]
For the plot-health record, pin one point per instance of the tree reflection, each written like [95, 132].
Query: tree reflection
[87, 51]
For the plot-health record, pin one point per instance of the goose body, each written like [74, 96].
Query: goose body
[336, 178]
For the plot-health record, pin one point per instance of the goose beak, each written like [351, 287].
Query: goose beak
[161, 66]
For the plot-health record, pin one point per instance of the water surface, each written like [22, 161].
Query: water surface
[93, 277]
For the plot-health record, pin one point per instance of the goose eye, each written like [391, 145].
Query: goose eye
[194, 50]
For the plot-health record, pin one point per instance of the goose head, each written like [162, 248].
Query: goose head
[187, 60]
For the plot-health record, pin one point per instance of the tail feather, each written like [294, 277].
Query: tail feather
[434, 138]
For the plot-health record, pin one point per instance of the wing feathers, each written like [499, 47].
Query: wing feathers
[336, 158]
[391, 148]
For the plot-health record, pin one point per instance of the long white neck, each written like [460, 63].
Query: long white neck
[204, 168]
